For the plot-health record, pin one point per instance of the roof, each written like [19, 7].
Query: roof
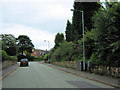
[40, 50]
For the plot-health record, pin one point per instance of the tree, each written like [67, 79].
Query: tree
[64, 52]
[2, 45]
[9, 44]
[58, 39]
[69, 31]
[88, 8]
[106, 34]
[89, 44]
[24, 43]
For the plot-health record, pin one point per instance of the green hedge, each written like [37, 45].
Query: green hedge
[45, 57]
[29, 57]
[13, 58]
[64, 52]
[38, 59]
[5, 56]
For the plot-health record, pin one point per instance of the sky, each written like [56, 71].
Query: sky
[38, 19]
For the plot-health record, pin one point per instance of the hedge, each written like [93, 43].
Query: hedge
[5, 56]
[38, 59]
[13, 58]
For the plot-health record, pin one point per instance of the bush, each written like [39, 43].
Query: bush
[21, 57]
[29, 57]
[64, 52]
[95, 59]
[45, 57]
[13, 58]
[107, 34]
[38, 58]
[4, 55]
[73, 58]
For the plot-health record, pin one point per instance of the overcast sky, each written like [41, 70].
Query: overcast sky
[39, 19]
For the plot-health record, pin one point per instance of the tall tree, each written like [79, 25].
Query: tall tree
[9, 44]
[68, 31]
[58, 39]
[107, 33]
[24, 43]
[88, 8]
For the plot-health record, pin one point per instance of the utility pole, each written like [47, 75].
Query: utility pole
[83, 36]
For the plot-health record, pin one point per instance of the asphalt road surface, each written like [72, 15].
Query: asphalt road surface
[38, 75]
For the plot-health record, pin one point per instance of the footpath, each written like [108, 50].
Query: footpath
[115, 82]
[7, 71]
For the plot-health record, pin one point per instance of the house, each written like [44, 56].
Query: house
[38, 53]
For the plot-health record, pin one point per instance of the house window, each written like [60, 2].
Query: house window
[34, 53]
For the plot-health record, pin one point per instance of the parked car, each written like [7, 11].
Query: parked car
[24, 62]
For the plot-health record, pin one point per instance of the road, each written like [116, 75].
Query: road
[42, 76]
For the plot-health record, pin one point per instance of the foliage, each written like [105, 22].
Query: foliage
[106, 34]
[68, 32]
[4, 55]
[24, 43]
[29, 57]
[102, 35]
[63, 52]
[89, 44]
[46, 57]
[95, 59]
[2, 45]
[88, 8]
[55, 56]
[38, 58]
[9, 44]
[59, 39]
[20, 57]
[13, 58]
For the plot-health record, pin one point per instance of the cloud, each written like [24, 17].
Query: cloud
[35, 11]
[39, 19]
[37, 1]
[36, 35]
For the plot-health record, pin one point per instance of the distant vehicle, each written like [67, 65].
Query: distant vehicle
[24, 62]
